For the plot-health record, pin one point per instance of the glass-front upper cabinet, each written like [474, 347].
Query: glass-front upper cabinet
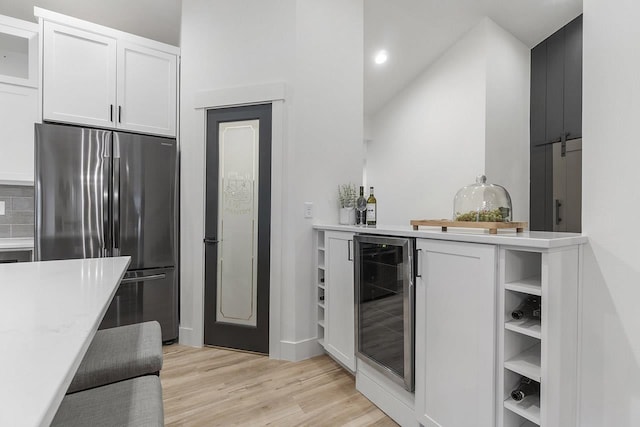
[18, 52]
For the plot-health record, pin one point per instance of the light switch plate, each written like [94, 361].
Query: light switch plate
[308, 209]
[2, 207]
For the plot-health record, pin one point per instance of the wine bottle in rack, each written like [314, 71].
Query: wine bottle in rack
[529, 308]
[527, 387]
[372, 209]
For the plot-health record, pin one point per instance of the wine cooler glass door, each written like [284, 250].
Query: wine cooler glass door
[384, 305]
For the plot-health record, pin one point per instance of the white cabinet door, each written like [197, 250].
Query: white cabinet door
[455, 334]
[339, 298]
[147, 90]
[18, 113]
[79, 76]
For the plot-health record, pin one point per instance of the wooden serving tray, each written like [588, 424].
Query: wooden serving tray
[491, 226]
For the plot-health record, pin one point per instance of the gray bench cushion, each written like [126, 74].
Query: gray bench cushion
[136, 402]
[118, 354]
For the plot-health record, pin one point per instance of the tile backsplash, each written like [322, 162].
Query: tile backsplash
[18, 218]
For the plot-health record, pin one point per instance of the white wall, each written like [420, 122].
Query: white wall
[222, 47]
[328, 131]
[610, 371]
[428, 141]
[467, 114]
[310, 47]
[507, 119]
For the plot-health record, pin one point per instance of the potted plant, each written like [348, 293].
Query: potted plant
[347, 202]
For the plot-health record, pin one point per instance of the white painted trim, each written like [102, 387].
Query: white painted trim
[394, 401]
[70, 21]
[579, 350]
[187, 336]
[245, 95]
[277, 227]
[252, 95]
[18, 23]
[299, 350]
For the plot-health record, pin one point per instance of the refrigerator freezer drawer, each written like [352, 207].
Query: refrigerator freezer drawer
[146, 295]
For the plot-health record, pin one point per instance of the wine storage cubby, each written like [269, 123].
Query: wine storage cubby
[537, 337]
[319, 285]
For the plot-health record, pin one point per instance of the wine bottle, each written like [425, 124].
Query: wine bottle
[361, 208]
[527, 387]
[530, 307]
[372, 208]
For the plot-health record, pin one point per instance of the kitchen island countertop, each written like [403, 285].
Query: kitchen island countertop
[49, 313]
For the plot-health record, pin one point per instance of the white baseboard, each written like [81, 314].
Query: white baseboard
[300, 350]
[394, 401]
[186, 337]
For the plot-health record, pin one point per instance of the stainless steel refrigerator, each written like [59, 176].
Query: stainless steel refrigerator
[102, 193]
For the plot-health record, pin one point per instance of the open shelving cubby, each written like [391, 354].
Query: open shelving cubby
[543, 349]
[522, 338]
[319, 284]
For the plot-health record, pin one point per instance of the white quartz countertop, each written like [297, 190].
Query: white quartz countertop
[49, 313]
[530, 239]
[16, 243]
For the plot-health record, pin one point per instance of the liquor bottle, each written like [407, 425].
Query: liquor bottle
[361, 207]
[530, 308]
[372, 208]
[527, 387]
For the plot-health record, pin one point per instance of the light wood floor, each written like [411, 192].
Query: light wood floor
[215, 387]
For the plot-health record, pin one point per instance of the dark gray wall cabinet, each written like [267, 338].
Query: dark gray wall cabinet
[556, 117]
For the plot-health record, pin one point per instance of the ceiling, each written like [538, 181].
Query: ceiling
[154, 19]
[416, 32]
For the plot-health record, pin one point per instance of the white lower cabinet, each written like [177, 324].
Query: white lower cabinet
[455, 334]
[339, 338]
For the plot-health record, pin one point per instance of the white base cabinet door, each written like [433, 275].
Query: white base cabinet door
[79, 76]
[339, 340]
[455, 334]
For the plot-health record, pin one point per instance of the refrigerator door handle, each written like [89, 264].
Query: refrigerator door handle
[116, 206]
[144, 278]
[106, 244]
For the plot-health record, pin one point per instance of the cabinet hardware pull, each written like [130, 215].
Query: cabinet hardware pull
[349, 242]
[558, 204]
[119, 113]
[111, 113]
[418, 252]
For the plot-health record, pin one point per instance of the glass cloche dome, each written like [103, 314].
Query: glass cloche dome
[482, 202]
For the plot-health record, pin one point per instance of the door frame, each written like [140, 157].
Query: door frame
[275, 94]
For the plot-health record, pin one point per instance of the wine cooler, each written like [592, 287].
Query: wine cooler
[385, 305]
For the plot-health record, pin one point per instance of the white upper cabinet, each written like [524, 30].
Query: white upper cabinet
[19, 52]
[146, 90]
[79, 77]
[97, 76]
[18, 99]
[18, 113]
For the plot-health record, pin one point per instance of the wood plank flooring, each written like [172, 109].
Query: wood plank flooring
[216, 387]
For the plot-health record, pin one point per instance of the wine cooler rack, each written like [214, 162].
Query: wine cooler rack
[540, 348]
[320, 286]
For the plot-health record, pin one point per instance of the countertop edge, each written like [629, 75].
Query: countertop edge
[10, 243]
[529, 239]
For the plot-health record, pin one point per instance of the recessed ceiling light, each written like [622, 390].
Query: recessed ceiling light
[381, 57]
